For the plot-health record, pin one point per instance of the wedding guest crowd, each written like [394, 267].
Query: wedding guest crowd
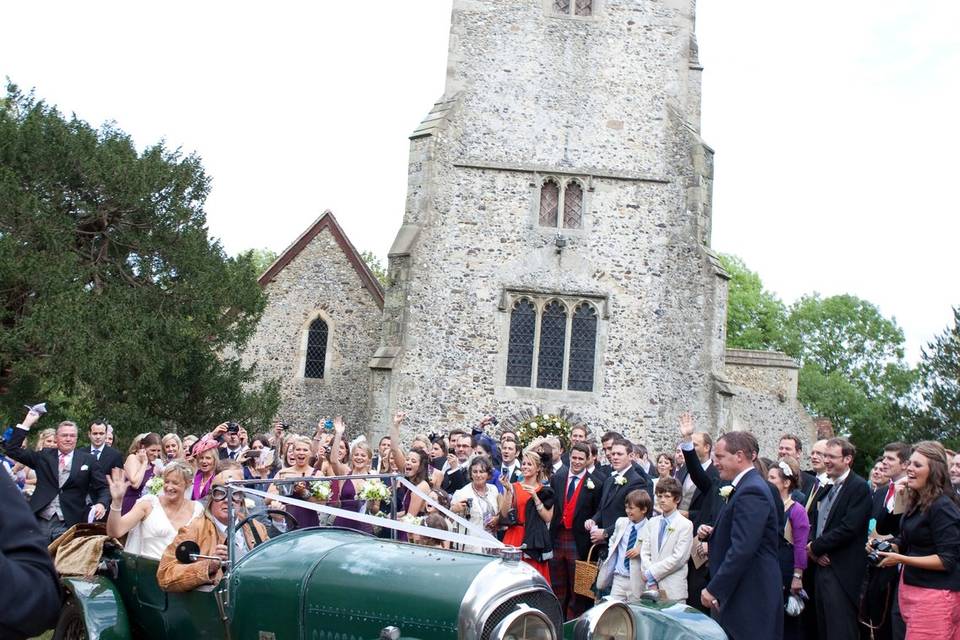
[768, 549]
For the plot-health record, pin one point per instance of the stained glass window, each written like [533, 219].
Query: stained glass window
[549, 203]
[553, 333]
[573, 206]
[583, 7]
[316, 349]
[583, 345]
[523, 321]
[563, 6]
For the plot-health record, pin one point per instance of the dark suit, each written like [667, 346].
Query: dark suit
[563, 563]
[745, 572]
[611, 505]
[454, 480]
[843, 538]
[704, 506]
[30, 599]
[109, 458]
[85, 479]
[807, 480]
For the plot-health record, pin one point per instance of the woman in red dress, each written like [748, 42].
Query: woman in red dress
[518, 495]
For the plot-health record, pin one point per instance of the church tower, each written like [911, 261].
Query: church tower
[555, 248]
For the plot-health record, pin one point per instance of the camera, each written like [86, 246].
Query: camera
[233, 427]
[285, 426]
[878, 545]
[469, 503]
[328, 425]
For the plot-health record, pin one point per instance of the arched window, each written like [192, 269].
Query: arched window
[549, 203]
[553, 334]
[316, 349]
[523, 321]
[573, 7]
[583, 345]
[561, 6]
[573, 205]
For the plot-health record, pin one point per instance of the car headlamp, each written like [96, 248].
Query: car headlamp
[607, 621]
[525, 624]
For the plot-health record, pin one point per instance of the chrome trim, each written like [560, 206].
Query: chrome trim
[587, 623]
[493, 585]
[522, 610]
[390, 633]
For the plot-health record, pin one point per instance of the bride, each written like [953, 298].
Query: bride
[154, 520]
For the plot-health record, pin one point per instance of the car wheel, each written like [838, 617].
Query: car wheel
[71, 625]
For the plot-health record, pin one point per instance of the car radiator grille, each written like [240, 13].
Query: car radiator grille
[544, 601]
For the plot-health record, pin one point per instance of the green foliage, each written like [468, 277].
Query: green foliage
[374, 264]
[940, 372]
[755, 316]
[260, 258]
[116, 302]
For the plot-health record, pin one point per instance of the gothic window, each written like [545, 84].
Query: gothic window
[561, 203]
[573, 7]
[550, 347]
[523, 320]
[553, 337]
[316, 349]
[573, 205]
[549, 203]
[583, 344]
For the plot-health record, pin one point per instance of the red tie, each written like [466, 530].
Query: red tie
[890, 491]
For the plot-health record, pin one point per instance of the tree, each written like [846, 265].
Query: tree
[755, 316]
[852, 369]
[940, 373]
[374, 264]
[260, 258]
[116, 302]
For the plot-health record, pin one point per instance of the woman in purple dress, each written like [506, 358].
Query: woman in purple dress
[785, 476]
[301, 468]
[360, 458]
[139, 468]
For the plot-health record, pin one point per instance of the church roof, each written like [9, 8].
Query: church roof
[329, 222]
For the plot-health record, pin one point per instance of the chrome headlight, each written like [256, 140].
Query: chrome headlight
[525, 624]
[607, 621]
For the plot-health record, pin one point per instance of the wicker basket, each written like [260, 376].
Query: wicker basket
[585, 575]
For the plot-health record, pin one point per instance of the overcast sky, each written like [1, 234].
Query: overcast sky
[834, 123]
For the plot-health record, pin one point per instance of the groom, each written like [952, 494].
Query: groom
[745, 590]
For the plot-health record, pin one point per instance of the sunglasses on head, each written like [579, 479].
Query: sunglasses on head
[219, 494]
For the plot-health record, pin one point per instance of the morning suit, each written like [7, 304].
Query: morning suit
[846, 509]
[703, 509]
[611, 505]
[108, 459]
[666, 557]
[571, 541]
[745, 571]
[30, 599]
[85, 478]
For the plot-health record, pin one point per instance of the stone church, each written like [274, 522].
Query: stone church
[554, 253]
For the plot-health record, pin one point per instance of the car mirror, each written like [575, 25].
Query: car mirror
[187, 552]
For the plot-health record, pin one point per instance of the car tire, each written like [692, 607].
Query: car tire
[71, 624]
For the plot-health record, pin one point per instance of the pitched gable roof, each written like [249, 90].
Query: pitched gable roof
[329, 222]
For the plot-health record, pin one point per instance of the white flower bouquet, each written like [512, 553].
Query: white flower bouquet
[155, 485]
[320, 490]
[374, 490]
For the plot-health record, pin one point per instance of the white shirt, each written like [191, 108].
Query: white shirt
[239, 541]
[740, 475]
[622, 547]
[557, 465]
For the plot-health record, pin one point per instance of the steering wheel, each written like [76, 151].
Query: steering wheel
[248, 522]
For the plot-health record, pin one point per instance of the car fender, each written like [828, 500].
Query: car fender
[102, 607]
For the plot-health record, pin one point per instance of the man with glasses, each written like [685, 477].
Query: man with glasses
[838, 528]
[210, 533]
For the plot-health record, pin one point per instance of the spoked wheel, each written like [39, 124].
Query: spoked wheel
[71, 625]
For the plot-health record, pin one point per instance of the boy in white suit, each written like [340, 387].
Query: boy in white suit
[621, 572]
[666, 544]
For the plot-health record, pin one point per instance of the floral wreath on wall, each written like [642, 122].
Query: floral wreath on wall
[532, 424]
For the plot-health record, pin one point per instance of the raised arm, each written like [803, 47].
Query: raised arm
[119, 525]
[700, 479]
[135, 467]
[15, 448]
[396, 448]
[339, 468]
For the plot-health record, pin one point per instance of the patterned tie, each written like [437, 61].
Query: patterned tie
[571, 487]
[664, 523]
[96, 452]
[632, 540]
[63, 459]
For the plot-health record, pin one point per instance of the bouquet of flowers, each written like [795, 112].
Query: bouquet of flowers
[409, 519]
[374, 490]
[155, 485]
[321, 490]
[543, 426]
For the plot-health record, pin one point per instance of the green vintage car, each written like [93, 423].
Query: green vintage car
[330, 583]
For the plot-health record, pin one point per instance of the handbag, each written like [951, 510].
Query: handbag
[585, 575]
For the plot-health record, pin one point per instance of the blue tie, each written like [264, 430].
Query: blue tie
[632, 540]
[663, 528]
[571, 487]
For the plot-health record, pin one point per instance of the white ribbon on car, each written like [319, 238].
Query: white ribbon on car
[476, 536]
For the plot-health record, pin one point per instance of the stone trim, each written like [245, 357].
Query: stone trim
[329, 222]
[587, 173]
[753, 358]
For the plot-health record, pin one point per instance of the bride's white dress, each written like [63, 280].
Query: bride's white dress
[151, 537]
